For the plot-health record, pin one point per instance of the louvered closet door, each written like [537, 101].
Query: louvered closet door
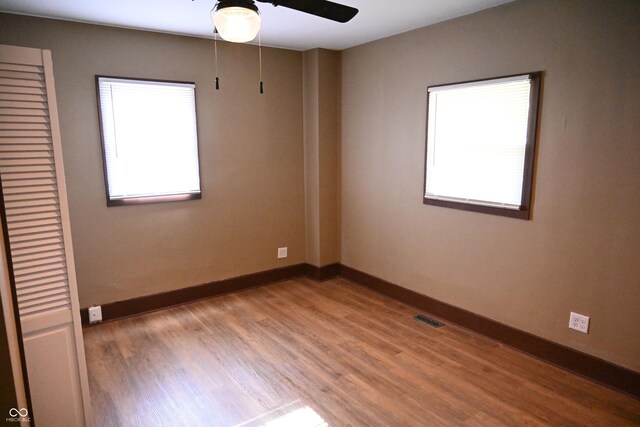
[36, 214]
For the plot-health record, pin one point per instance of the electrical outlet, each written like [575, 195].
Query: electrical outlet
[282, 252]
[95, 314]
[579, 322]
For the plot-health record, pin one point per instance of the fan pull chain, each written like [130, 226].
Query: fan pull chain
[260, 59]
[215, 54]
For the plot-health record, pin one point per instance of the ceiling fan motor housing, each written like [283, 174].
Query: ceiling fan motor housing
[247, 4]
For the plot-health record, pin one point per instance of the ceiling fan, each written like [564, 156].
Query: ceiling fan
[239, 20]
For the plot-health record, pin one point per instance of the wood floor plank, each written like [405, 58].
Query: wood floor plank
[304, 353]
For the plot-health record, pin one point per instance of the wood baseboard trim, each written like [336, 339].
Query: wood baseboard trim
[147, 303]
[593, 368]
[322, 273]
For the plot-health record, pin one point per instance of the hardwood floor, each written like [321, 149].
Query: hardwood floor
[301, 353]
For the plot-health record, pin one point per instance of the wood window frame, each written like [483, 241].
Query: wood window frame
[141, 199]
[524, 211]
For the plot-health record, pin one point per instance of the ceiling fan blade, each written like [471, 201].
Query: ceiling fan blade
[323, 8]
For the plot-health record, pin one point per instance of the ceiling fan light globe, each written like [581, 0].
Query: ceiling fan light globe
[236, 24]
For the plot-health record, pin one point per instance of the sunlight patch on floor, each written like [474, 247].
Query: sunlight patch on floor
[301, 416]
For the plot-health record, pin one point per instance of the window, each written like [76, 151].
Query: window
[149, 140]
[480, 145]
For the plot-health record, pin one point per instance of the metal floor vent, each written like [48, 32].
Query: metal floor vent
[429, 321]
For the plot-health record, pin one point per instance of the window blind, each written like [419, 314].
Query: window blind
[476, 141]
[150, 140]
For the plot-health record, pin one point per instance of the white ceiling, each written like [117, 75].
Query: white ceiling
[281, 27]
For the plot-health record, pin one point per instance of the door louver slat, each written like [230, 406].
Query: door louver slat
[34, 210]
[17, 124]
[23, 273]
[22, 104]
[30, 191]
[39, 300]
[29, 182]
[47, 287]
[36, 243]
[37, 216]
[24, 90]
[39, 259]
[27, 231]
[37, 83]
[44, 308]
[49, 282]
[46, 141]
[22, 97]
[34, 69]
[12, 189]
[20, 254]
[20, 74]
[21, 119]
[41, 294]
[23, 172]
[40, 196]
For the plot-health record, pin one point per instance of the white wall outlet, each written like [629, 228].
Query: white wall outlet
[579, 322]
[95, 314]
[282, 252]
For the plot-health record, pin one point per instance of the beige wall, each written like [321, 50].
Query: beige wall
[581, 250]
[322, 155]
[251, 160]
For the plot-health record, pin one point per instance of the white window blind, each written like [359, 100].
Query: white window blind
[477, 140]
[150, 140]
